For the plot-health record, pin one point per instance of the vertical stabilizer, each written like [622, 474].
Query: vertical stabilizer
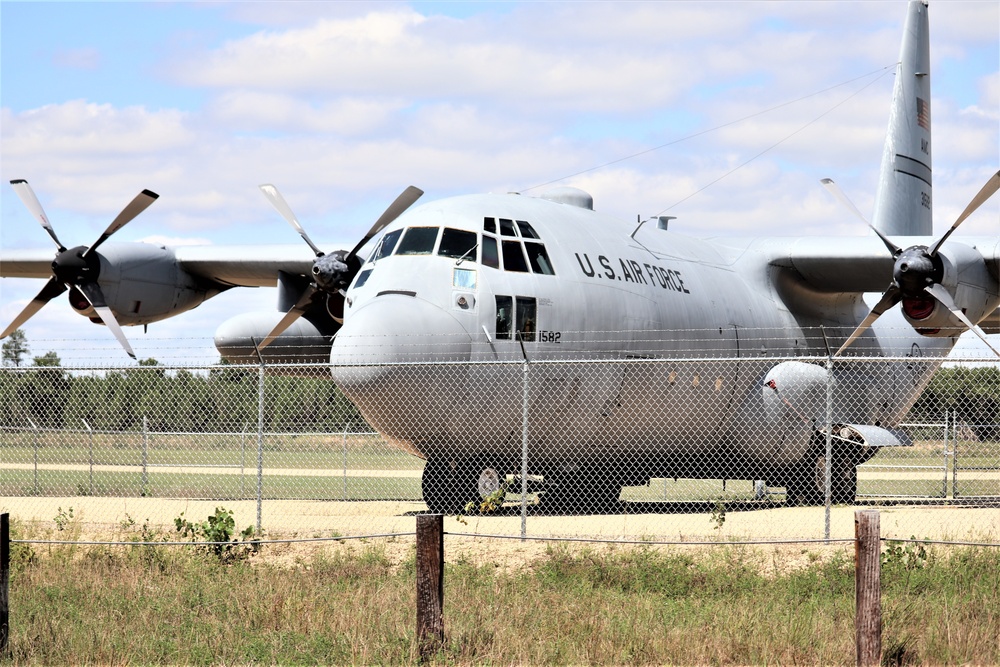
[903, 197]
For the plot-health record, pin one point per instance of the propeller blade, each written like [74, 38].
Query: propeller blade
[282, 207]
[27, 196]
[93, 293]
[941, 294]
[892, 296]
[396, 208]
[835, 190]
[51, 290]
[893, 248]
[991, 187]
[140, 203]
[294, 313]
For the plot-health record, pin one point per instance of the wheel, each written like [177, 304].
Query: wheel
[807, 485]
[448, 485]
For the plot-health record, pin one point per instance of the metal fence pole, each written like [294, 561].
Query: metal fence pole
[37, 436]
[954, 451]
[524, 445]
[145, 455]
[87, 426]
[828, 472]
[243, 460]
[944, 487]
[260, 442]
[345, 463]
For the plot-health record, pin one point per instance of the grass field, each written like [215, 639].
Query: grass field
[354, 603]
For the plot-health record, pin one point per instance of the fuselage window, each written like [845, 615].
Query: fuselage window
[505, 316]
[539, 259]
[513, 257]
[458, 243]
[507, 227]
[527, 231]
[418, 241]
[490, 256]
[526, 307]
[386, 245]
[490, 225]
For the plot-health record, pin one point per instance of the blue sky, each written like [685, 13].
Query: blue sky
[343, 104]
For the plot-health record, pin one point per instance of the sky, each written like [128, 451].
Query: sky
[344, 104]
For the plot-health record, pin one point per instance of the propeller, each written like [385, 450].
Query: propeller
[917, 271]
[331, 273]
[77, 269]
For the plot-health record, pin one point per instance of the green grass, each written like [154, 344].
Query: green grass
[354, 604]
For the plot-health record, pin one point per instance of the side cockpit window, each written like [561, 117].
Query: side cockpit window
[520, 247]
[386, 245]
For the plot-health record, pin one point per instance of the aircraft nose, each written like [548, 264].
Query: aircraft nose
[399, 328]
[387, 359]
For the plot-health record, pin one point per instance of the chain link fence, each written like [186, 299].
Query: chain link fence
[693, 445]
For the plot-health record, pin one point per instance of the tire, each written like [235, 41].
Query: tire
[448, 485]
[807, 486]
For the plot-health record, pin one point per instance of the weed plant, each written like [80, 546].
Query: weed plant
[354, 604]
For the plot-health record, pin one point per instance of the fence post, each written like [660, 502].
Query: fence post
[524, 445]
[4, 581]
[35, 429]
[430, 583]
[260, 441]
[867, 589]
[828, 467]
[145, 456]
[91, 431]
[954, 451]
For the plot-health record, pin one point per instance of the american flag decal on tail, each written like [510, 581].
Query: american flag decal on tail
[923, 114]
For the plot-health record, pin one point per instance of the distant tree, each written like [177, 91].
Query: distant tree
[48, 360]
[45, 390]
[15, 349]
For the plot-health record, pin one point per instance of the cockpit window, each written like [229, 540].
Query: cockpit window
[513, 257]
[418, 241]
[386, 245]
[458, 243]
[520, 247]
[539, 259]
[490, 256]
[527, 231]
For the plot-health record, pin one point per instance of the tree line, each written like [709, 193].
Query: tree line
[223, 398]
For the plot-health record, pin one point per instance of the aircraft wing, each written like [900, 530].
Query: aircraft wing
[225, 266]
[245, 266]
[853, 264]
[26, 263]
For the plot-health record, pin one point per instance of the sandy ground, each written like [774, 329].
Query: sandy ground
[639, 521]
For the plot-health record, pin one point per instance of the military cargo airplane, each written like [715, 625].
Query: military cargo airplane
[424, 334]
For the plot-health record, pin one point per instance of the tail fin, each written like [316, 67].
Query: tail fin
[903, 197]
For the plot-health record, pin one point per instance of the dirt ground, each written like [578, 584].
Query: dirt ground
[319, 518]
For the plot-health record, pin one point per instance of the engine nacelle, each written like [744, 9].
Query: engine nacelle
[970, 284]
[142, 283]
[302, 342]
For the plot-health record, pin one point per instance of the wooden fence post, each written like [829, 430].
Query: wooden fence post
[4, 581]
[430, 583]
[867, 589]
